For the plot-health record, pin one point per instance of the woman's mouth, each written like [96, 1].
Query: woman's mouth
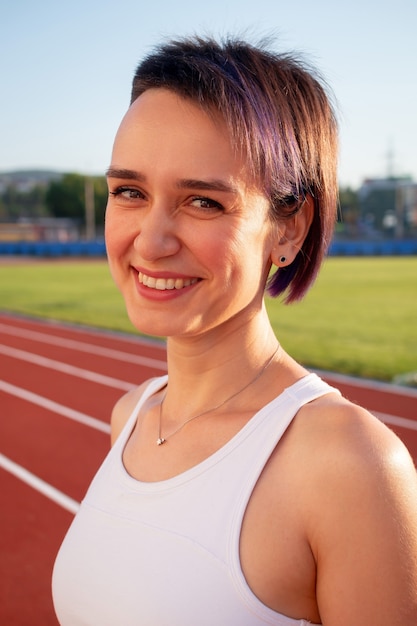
[162, 284]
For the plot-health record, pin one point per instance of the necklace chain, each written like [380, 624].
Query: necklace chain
[162, 439]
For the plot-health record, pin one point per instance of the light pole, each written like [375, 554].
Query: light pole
[90, 221]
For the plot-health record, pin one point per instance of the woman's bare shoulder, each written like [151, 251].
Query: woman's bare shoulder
[365, 431]
[350, 437]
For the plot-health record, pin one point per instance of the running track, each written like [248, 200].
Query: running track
[57, 386]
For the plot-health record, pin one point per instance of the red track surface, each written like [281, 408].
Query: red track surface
[57, 387]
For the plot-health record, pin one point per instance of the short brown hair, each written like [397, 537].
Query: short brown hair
[280, 114]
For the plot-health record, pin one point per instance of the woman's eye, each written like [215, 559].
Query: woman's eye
[206, 204]
[127, 192]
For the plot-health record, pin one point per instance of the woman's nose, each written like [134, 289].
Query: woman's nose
[157, 235]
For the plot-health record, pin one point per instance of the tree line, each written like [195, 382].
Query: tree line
[63, 197]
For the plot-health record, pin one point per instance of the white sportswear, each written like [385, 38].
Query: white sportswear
[167, 553]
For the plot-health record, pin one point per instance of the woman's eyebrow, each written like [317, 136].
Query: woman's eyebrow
[206, 185]
[114, 172]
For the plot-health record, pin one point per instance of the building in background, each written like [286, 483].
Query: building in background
[388, 207]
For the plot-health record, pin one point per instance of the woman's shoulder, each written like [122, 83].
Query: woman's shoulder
[348, 433]
[354, 460]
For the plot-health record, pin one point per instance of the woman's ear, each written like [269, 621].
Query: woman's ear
[292, 233]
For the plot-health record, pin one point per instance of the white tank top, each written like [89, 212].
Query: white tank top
[167, 553]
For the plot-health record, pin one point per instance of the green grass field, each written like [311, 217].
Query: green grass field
[360, 318]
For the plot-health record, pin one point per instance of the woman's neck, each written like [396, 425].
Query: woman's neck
[198, 367]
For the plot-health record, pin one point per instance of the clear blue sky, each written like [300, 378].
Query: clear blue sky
[66, 69]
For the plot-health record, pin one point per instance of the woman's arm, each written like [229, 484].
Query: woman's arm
[365, 538]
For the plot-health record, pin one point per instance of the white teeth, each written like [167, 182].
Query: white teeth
[150, 282]
[165, 283]
[160, 284]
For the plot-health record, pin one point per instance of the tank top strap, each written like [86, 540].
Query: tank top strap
[270, 423]
[277, 416]
[308, 389]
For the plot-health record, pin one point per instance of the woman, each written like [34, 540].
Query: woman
[240, 489]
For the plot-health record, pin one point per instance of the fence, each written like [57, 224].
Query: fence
[53, 248]
[97, 248]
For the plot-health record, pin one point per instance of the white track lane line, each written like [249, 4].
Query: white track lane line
[65, 368]
[82, 346]
[50, 405]
[364, 383]
[39, 485]
[396, 421]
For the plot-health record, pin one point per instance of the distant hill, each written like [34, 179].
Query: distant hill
[40, 175]
[25, 180]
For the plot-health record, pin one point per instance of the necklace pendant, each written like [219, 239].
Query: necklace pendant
[160, 441]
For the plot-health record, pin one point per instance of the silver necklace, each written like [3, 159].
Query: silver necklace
[162, 439]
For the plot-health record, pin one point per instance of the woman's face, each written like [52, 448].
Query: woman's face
[188, 237]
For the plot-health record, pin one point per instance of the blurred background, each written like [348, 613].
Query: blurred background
[66, 70]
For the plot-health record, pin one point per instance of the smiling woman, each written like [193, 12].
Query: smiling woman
[224, 498]
[179, 219]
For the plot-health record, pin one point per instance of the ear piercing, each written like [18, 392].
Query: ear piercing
[282, 259]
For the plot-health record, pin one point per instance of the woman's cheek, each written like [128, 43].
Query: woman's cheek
[117, 234]
[114, 249]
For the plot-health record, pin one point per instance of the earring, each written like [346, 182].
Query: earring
[282, 259]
